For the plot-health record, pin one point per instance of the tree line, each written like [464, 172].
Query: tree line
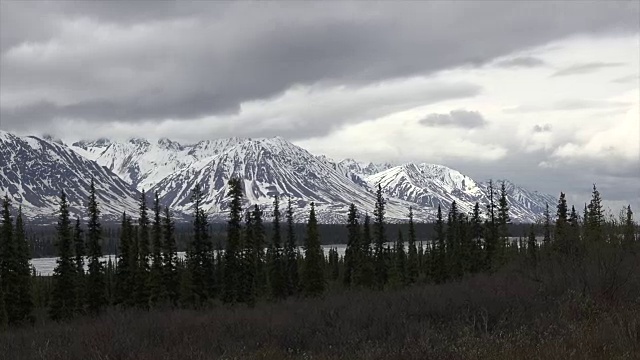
[256, 265]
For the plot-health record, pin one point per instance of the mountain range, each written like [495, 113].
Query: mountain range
[34, 170]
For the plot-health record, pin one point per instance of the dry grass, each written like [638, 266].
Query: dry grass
[510, 315]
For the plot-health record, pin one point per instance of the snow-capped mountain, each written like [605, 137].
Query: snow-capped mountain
[35, 171]
[430, 185]
[266, 166]
[269, 167]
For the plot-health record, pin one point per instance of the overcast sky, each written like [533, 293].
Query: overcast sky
[543, 93]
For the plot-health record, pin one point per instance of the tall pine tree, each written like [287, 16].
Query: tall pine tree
[291, 254]
[352, 257]
[23, 270]
[412, 253]
[381, 272]
[62, 305]
[277, 281]
[78, 241]
[156, 284]
[170, 279]
[232, 269]
[313, 275]
[96, 282]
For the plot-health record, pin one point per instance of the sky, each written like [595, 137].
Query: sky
[545, 94]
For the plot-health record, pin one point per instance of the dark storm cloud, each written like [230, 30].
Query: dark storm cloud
[457, 118]
[142, 61]
[522, 61]
[587, 68]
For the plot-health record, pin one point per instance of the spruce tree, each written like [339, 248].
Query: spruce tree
[96, 283]
[78, 241]
[546, 227]
[200, 262]
[9, 264]
[366, 269]
[23, 272]
[412, 254]
[503, 222]
[561, 230]
[62, 305]
[259, 246]
[399, 262]
[277, 281]
[595, 219]
[290, 254]
[477, 253]
[232, 269]
[313, 275]
[156, 284]
[352, 257]
[532, 246]
[452, 258]
[142, 292]
[380, 239]
[170, 276]
[249, 262]
[126, 264]
[629, 231]
[439, 251]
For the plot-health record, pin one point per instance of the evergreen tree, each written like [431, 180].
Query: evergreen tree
[23, 271]
[126, 264]
[63, 305]
[440, 263]
[365, 271]
[78, 241]
[170, 276]
[546, 227]
[156, 283]
[380, 239]
[629, 231]
[595, 219]
[313, 275]
[561, 230]
[477, 252]
[249, 262]
[412, 254]
[277, 281]
[352, 255]
[96, 283]
[232, 269]
[573, 235]
[503, 222]
[259, 246]
[532, 246]
[142, 291]
[291, 260]
[453, 264]
[200, 262]
[8, 264]
[399, 277]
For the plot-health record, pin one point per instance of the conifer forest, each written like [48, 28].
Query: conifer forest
[569, 285]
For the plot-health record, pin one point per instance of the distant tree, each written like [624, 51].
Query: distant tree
[334, 264]
[629, 231]
[170, 276]
[503, 221]
[477, 253]
[8, 264]
[64, 274]
[561, 229]
[276, 266]
[532, 246]
[20, 280]
[156, 283]
[96, 283]
[142, 291]
[200, 262]
[126, 264]
[313, 277]
[399, 269]
[595, 219]
[440, 254]
[365, 270]
[78, 241]
[413, 265]
[352, 256]
[491, 233]
[452, 258]
[546, 227]
[290, 254]
[574, 230]
[380, 239]
[232, 268]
